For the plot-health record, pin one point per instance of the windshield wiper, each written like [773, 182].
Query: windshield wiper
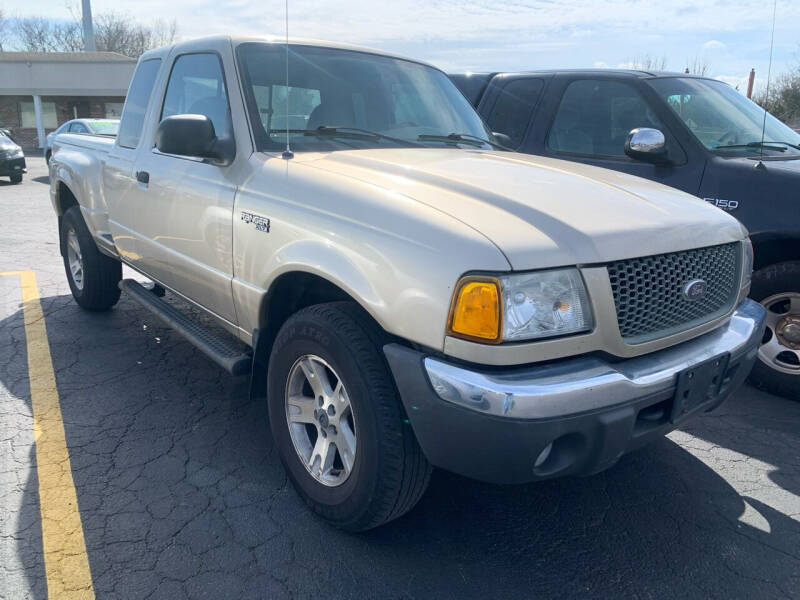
[355, 133]
[764, 144]
[462, 138]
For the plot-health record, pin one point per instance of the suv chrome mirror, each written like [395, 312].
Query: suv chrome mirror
[646, 144]
[193, 135]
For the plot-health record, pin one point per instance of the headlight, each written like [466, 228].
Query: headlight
[544, 304]
[747, 262]
[520, 306]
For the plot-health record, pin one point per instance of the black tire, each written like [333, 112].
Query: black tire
[775, 279]
[47, 156]
[16, 178]
[390, 473]
[101, 273]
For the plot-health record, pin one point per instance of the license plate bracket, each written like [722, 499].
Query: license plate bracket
[697, 385]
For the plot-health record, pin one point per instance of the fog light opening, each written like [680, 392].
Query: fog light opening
[543, 456]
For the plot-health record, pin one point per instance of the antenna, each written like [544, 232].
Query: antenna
[769, 73]
[287, 154]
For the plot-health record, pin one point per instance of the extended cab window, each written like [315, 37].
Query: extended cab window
[196, 86]
[513, 108]
[130, 127]
[595, 117]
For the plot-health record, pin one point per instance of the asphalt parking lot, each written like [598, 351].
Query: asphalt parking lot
[181, 495]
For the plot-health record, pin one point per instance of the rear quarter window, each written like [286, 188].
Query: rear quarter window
[130, 127]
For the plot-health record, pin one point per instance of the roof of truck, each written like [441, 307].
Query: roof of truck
[236, 40]
[623, 72]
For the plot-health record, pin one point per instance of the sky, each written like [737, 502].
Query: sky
[731, 36]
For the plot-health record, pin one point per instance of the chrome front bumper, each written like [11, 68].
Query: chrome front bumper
[589, 383]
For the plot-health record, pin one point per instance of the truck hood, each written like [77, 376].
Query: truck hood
[542, 212]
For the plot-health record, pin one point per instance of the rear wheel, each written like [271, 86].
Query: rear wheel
[16, 178]
[337, 420]
[93, 277]
[777, 369]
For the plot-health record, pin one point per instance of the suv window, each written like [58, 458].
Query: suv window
[513, 108]
[78, 128]
[595, 117]
[196, 86]
[130, 127]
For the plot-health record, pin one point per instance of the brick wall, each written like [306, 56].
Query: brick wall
[26, 136]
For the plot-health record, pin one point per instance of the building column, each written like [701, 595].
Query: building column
[37, 111]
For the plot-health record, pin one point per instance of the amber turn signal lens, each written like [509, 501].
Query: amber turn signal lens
[476, 311]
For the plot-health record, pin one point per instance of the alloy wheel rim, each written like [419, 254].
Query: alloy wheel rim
[75, 259]
[321, 420]
[780, 347]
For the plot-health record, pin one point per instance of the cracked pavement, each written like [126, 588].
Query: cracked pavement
[182, 495]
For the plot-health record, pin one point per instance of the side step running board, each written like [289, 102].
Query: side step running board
[222, 352]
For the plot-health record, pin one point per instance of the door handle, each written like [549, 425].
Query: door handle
[143, 177]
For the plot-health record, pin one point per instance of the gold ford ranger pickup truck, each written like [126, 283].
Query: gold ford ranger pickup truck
[402, 291]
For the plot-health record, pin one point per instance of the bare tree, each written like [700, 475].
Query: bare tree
[648, 63]
[3, 29]
[37, 34]
[784, 98]
[699, 66]
[114, 32]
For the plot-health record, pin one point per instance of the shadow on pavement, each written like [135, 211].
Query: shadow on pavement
[182, 495]
[42, 179]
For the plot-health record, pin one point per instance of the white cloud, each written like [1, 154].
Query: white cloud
[713, 45]
[491, 34]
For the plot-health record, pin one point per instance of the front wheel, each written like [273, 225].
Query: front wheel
[16, 178]
[93, 277]
[777, 369]
[337, 420]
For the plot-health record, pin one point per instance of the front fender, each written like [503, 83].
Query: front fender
[371, 280]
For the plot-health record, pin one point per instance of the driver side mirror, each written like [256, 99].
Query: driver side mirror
[646, 144]
[193, 135]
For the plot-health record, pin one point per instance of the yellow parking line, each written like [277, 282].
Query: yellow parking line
[65, 559]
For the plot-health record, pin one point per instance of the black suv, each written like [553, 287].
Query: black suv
[693, 133]
[12, 159]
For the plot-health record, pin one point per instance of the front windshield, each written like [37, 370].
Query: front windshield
[723, 120]
[110, 127]
[340, 99]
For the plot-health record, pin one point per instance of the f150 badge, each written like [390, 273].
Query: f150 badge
[728, 205]
[261, 223]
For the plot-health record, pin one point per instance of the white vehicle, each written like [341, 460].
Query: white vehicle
[107, 127]
[408, 295]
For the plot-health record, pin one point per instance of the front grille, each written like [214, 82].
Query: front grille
[648, 292]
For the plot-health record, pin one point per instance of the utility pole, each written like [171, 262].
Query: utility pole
[750, 81]
[88, 27]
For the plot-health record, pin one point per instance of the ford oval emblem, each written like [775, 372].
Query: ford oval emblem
[695, 289]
